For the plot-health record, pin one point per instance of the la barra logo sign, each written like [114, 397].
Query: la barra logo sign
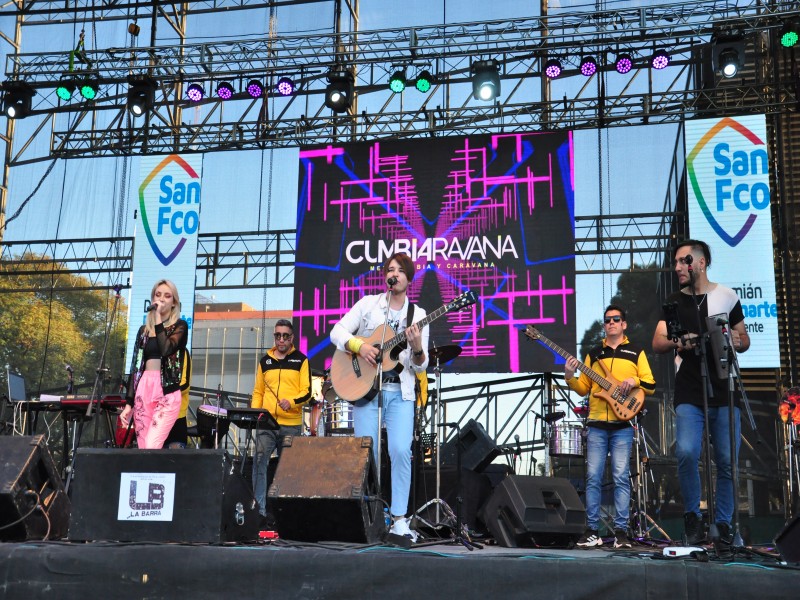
[729, 173]
[169, 199]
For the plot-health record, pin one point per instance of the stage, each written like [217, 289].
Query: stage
[333, 570]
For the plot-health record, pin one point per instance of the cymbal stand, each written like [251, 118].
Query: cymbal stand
[641, 521]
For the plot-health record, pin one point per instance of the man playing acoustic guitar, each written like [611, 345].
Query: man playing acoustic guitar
[628, 364]
[362, 320]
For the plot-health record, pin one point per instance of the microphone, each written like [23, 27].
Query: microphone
[152, 307]
[391, 281]
[68, 368]
[722, 321]
[448, 424]
[688, 259]
[519, 448]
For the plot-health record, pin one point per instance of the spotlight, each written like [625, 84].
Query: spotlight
[141, 94]
[623, 64]
[225, 91]
[195, 92]
[790, 35]
[17, 99]
[285, 86]
[588, 66]
[424, 81]
[728, 54]
[255, 89]
[340, 90]
[660, 60]
[485, 80]
[65, 88]
[553, 68]
[397, 82]
[89, 87]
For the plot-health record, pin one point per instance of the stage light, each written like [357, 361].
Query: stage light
[225, 91]
[397, 82]
[195, 92]
[728, 54]
[340, 90]
[424, 81]
[790, 35]
[89, 88]
[588, 66]
[485, 80]
[17, 99]
[285, 86]
[553, 68]
[660, 60]
[255, 89]
[141, 94]
[65, 88]
[623, 64]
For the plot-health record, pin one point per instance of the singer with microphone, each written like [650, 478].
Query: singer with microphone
[606, 434]
[697, 299]
[159, 354]
[367, 315]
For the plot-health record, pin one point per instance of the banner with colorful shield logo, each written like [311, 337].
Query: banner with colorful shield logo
[165, 244]
[727, 163]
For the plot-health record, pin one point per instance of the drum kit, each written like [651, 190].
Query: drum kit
[326, 415]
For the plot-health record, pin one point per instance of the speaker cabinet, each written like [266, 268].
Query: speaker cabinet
[528, 512]
[320, 490]
[28, 478]
[160, 496]
[477, 449]
[476, 489]
[788, 541]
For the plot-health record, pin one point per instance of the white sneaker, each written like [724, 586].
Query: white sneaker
[400, 527]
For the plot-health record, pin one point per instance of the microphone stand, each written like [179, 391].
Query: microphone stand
[95, 390]
[379, 361]
[700, 350]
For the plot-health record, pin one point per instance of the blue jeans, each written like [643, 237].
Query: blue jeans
[599, 442]
[398, 416]
[689, 426]
[266, 442]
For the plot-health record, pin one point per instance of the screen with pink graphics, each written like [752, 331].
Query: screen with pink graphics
[488, 213]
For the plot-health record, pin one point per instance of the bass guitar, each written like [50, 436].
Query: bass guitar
[624, 406]
[353, 377]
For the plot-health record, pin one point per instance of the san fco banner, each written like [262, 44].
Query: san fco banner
[165, 244]
[491, 214]
[729, 208]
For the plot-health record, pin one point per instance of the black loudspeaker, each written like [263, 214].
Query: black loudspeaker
[321, 487]
[478, 450]
[788, 541]
[160, 496]
[33, 503]
[475, 491]
[528, 511]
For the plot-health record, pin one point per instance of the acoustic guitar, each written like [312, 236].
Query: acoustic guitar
[353, 377]
[624, 406]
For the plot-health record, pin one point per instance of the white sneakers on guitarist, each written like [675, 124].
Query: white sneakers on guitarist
[400, 527]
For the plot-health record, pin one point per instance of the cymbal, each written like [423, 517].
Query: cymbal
[554, 416]
[444, 353]
[318, 373]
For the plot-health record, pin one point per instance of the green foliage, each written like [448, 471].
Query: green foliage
[637, 293]
[43, 330]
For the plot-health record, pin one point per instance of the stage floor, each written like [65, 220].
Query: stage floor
[333, 570]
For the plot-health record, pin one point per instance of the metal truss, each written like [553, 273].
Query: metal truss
[255, 259]
[521, 46]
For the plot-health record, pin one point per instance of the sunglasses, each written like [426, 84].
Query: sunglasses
[615, 318]
[283, 336]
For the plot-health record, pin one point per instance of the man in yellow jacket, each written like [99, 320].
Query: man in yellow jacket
[627, 363]
[283, 385]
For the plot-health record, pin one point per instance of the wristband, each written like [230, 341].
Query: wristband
[420, 353]
[354, 344]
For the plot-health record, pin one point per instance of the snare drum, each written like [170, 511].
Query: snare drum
[207, 417]
[313, 423]
[338, 418]
[566, 440]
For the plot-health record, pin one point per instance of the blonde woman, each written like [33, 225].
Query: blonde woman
[154, 395]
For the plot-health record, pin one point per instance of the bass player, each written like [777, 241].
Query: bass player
[606, 433]
[367, 315]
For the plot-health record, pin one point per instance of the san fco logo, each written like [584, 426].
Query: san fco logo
[729, 173]
[175, 214]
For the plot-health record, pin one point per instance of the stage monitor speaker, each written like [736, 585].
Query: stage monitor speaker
[788, 541]
[192, 496]
[33, 502]
[321, 490]
[478, 450]
[526, 511]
